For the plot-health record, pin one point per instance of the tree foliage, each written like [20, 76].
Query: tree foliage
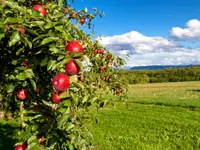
[33, 51]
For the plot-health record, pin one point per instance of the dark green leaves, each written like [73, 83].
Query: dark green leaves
[28, 73]
[48, 40]
[15, 37]
[10, 20]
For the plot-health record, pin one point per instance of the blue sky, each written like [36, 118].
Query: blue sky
[151, 18]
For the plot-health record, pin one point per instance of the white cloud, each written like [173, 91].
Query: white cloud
[144, 50]
[135, 42]
[191, 32]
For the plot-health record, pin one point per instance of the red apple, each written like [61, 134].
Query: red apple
[96, 51]
[82, 21]
[72, 68]
[118, 91]
[36, 108]
[74, 46]
[24, 63]
[19, 147]
[101, 51]
[73, 15]
[37, 91]
[40, 9]
[55, 98]
[61, 82]
[108, 57]
[21, 30]
[41, 140]
[103, 68]
[25, 144]
[22, 94]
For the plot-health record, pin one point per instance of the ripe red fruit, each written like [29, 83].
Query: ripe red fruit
[61, 82]
[55, 98]
[21, 30]
[19, 147]
[72, 68]
[82, 21]
[41, 140]
[96, 51]
[22, 94]
[103, 68]
[118, 91]
[73, 15]
[40, 8]
[108, 57]
[37, 91]
[101, 51]
[36, 108]
[24, 63]
[25, 144]
[74, 46]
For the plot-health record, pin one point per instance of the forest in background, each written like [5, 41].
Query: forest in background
[158, 76]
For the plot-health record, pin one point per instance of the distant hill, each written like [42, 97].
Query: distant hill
[158, 67]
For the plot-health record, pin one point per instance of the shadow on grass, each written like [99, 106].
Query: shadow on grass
[7, 134]
[198, 90]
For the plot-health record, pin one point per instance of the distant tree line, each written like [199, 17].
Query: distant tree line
[159, 76]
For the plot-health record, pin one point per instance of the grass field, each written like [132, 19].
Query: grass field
[157, 117]
[162, 116]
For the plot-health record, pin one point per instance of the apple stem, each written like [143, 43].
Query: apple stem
[22, 114]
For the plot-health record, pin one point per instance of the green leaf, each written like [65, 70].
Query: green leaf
[31, 31]
[79, 64]
[50, 64]
[65, 61]
[39, 37]
[15, 37]
[33, 84]
[28, 73]
[70, 126]
[10, 88]
[44, 61]
[60, 57]
[48, 25]
[59, 27]
[49, 104]
[48, 40]
[64, 95]
[40, 24]
[27, 41]
[79, 85]
[67, 103]
[76, 55]
[62, 119]
[14, 62]
[33, 143]
[2, 35]
[10, 20]
[19, 50]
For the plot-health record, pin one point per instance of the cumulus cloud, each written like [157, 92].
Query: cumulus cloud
[135, 42]
[191, 32]
[144, 50]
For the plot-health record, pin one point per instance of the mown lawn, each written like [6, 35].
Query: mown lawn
[157, 116]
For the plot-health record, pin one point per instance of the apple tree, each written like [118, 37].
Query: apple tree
[52, 72]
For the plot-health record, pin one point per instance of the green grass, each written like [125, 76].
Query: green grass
[156, 117]
[182, 94]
